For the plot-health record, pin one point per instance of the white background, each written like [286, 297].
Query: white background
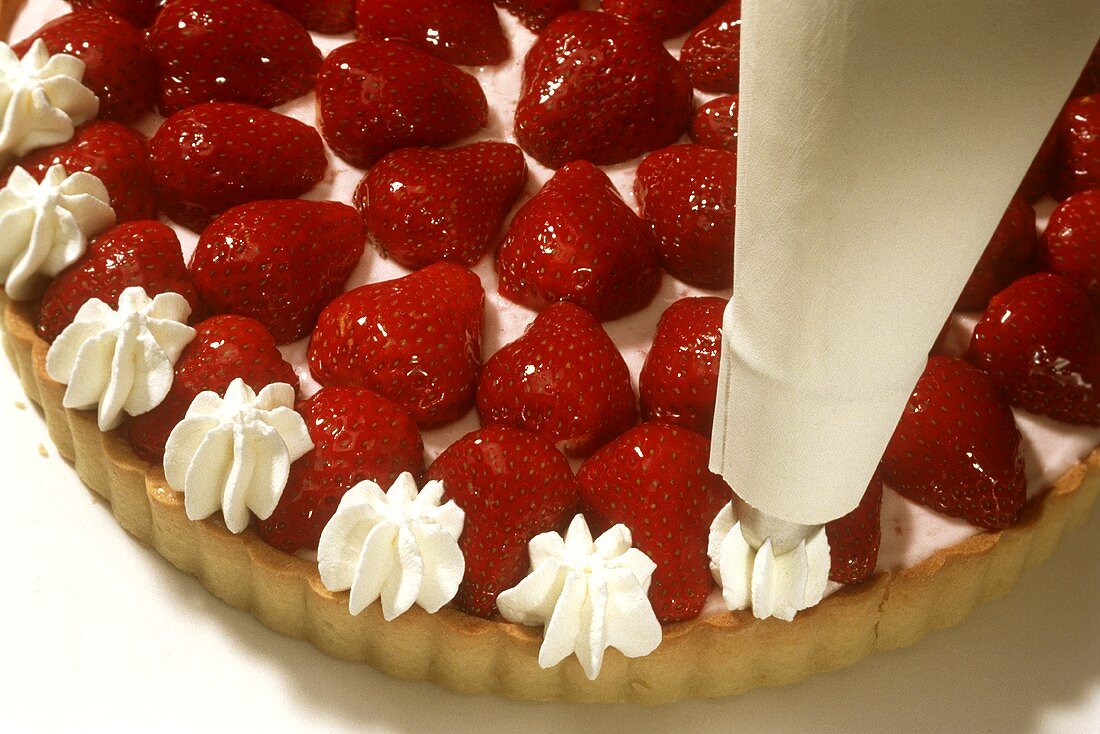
[101, 634]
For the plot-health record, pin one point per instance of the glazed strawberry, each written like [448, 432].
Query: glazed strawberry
[1071, 243]
[1040, 341]
[666, 18]
[115, 154]
[712, 53]
[536, 14]
[416, 340]
[715, 124]
[576, 240]
[512, 486]
[279, 262]
[679, 380]
[423, 205]
[231, 51]
[563, 379]
[1077, 166]
[374, 97]
[577, 104]
[654, 479]
[357, 436]
[145, 253]
[687, 196]
[224, 348]
[118, 66]
[464, 32]
[956, 448]
[215, 156]
[322, 16]
[1009, 255]
[139, 13]
[854, 538]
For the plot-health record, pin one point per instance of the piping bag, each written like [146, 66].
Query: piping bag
[880, 142]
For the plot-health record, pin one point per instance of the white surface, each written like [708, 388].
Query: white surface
[101, 634]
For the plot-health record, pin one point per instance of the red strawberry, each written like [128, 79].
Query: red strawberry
[115, 154]
[536, 14]
[1078, 159]
[1071, 243]
[225, 347]
[144, 253]
[715, 124]
[666, 18]
[956, 448]
[563, 379]
[654, 479]
[279, 262]
[687, 195]
[374, 97]
[577, 102]
[118, 66]
[1039, 178]
[712, 53]
[139, 13]
[214, 156]
[679, 380]
[1040, 341]
[416, 340]
[854, 538]
[322, 16]
[512, 486]
[577, 241]
[423, 205]
[357, 436]
[1009, 255]
[457, 31]
[231, 51]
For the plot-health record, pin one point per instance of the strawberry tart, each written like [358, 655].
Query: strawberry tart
[398, 324]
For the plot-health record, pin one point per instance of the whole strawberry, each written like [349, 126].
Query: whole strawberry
[1009, 255]
[666, 18]
[576, 102]
[357, 436]
[712, 53]
[118, 66]
[679, 380]
[145, 253]
[1071, 243]
[374, 97]
[854, 539]
[576, 240]
[416, 340]
[423, 206]
[512, 486]
[463, 32]
[654, 479]
[536, 14]
[1077, 165]
[215, 156]
[231, 51]
[322, 16]
[115, 154]
[1040, 341]
[225, 348]
[279, 262]
[687, 195]
[138, 13]
[956, 448]
[563, 379]
[715, 124]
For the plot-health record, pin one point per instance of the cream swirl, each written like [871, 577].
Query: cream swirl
[400, 546]
[42, 99]
[588, 595]
[124, 360]
[233, 453]
[45, 227]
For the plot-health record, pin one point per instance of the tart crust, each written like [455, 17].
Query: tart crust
[717, 655]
